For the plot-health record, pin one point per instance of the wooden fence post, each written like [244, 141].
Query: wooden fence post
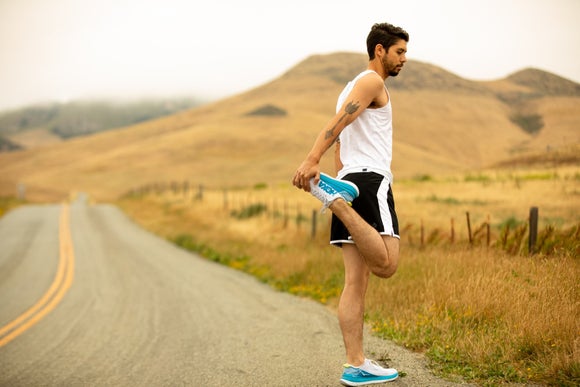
[21, 192]
[452, 231]
[199, 195]
[533, 230]
[313, 231]
[298, 216]
[505, 236]
[469, 228]
[488, 229]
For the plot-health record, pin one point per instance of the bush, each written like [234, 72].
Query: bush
[249, 211]
[531, 124]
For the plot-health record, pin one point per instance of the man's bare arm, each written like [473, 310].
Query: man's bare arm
[366, 90]
[350, 108]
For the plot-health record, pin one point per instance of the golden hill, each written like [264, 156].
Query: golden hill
[443, 124]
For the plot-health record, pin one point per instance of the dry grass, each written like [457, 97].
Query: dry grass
[483, 314]
[477, 312]
[496, 195]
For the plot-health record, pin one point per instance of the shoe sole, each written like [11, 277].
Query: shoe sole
[365, 383]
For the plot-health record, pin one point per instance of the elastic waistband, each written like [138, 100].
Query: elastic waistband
[343, 172]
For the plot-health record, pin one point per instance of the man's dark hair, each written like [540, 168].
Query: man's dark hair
[386, 35]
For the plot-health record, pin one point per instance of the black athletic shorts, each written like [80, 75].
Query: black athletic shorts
[375, 205]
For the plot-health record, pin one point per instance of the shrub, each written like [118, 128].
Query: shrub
[531, 124]
[249, 211]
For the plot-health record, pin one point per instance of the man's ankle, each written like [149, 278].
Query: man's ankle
[356, 361]
[337, 204]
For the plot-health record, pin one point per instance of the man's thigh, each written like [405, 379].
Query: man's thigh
[355, 267]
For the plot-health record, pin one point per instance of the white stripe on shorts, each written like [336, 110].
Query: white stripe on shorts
[386, 217]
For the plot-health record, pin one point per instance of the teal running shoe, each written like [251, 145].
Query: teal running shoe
[367, 373]
[329, 189]
[347, 189]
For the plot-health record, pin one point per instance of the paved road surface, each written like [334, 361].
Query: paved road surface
[142, 312]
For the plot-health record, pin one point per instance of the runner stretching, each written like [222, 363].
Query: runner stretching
[364, 222]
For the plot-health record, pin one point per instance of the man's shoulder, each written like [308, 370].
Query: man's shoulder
[369, 80]
[368, 74]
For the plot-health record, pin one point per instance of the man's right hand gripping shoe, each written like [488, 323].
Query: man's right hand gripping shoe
[329, 189]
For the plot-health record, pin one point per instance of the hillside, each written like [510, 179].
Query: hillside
[39, 125]
[443, 124]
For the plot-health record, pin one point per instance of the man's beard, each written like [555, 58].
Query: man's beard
[392, 72]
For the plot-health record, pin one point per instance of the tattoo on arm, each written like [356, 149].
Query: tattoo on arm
[350, 108]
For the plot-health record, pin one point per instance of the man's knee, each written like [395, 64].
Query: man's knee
[390, 260]
[385, 271]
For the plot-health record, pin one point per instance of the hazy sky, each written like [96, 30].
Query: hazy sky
[67, 49]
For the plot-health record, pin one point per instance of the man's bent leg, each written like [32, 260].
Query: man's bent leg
[381, 253]
[392, 245]
[352, 302]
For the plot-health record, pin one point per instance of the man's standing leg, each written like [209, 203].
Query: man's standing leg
[352, 303]
[371, 252]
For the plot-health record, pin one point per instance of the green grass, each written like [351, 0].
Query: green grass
[454, 201]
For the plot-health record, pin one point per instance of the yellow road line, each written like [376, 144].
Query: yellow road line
[52, 297]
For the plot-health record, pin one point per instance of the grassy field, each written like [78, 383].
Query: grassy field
[488, 314]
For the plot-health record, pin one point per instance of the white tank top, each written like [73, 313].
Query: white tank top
[367, 143]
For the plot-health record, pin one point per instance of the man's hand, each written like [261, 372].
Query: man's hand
[304, 173]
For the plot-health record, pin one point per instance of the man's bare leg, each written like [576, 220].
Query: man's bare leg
[352, 303]
[381, 253]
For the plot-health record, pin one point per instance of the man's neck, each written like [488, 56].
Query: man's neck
[376, 66]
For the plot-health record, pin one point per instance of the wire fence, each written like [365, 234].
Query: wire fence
[515, 237]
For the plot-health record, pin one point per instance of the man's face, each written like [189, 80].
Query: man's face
[395, 58]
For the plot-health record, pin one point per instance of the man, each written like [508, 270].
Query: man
[367, 231]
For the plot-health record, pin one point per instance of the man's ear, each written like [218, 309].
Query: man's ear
[380, 50]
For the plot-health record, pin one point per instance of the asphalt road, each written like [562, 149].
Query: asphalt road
[103, 302]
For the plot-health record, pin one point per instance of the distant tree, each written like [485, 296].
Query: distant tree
[531, 123]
